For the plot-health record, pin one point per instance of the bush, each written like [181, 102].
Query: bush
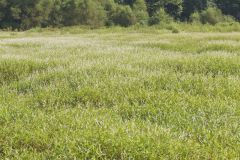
[78, 12]
[110, 8]
[195, 17]
[55, 17]
[123, 16]
[140, 11]
[23, 15]
[175, 30]
[210, 16]
[92, 13]
[160, 17]
[68, 12]
[26, 14]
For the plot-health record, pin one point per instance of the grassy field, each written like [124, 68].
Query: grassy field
[119, 94]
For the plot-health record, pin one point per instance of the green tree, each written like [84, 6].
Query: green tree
[78, 12]
[140, 11]
[23, 14]
[91, 13]
[213, 16]
[229, 7]
[191, 6]
[160, 17]
[110, 8]
[123, 16]
[55, 17]
[170, 6]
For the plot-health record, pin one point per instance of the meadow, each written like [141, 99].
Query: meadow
[119, 94]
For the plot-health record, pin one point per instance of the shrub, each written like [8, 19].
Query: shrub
[69, 12]
[123, 16]
[91, 13]
[195, 17]
[110, 8]
[175, 30]
[55, 17]
[23, 15]
[140, 11]
[160, 17]
[210, 16]
[78, 12]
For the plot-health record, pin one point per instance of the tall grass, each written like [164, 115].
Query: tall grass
[142, 93]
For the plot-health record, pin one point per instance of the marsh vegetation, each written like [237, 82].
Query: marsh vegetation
[119, 94]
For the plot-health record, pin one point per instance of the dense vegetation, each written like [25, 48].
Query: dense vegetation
[120, 93]
[25, 14]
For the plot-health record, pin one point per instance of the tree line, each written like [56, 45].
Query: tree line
[25, 14]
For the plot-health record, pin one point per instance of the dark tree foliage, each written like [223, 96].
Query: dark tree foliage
[124, 16]
[171, 6]
[230, 7]
[126, 2]
[191, 6]
[25, 14]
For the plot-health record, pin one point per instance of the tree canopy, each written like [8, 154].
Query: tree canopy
[25, 14]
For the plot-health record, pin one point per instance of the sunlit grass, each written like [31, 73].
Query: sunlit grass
[118, 94]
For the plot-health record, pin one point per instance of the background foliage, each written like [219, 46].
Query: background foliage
[25, 14]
